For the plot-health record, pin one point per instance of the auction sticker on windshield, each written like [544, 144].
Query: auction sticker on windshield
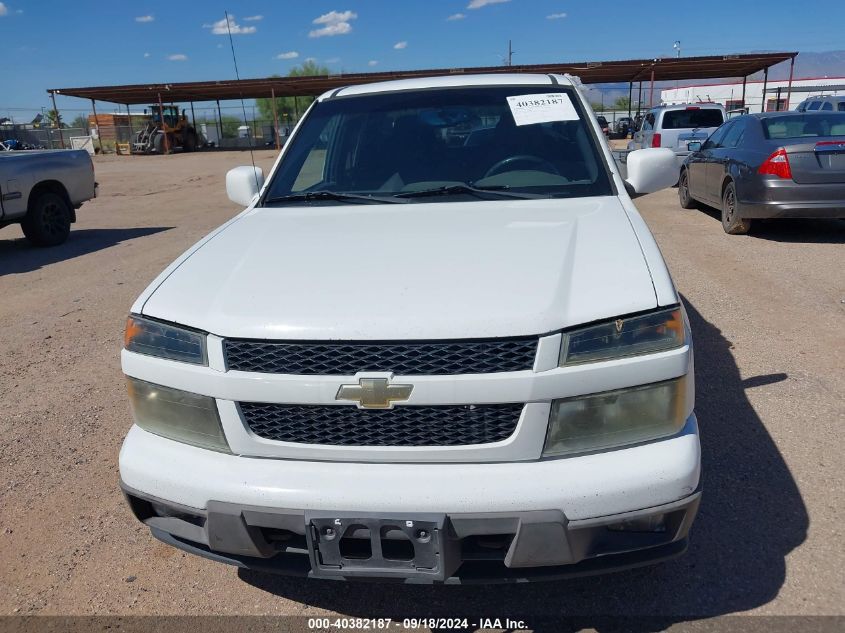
[542, 108]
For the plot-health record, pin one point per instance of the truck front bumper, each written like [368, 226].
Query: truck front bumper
[493, 522]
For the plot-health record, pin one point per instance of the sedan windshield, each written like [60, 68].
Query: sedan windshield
[441, 145]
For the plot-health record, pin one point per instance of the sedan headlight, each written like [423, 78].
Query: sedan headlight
[178, 415]
[644, 334]
[164, 340]
[616, 418]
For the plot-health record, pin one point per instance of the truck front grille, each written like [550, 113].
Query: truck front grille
[404, 358]
[453, 425]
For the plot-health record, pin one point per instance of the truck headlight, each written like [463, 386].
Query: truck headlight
[644, 334]
[616, 418]
[178, 415]
[164, 340]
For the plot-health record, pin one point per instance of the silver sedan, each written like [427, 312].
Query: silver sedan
[769, 165]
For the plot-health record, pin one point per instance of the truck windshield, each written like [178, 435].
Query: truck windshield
[437, 145]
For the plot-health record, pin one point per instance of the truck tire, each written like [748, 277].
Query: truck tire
[47, 222]
[158, 142]
[189, 140]
[731, 220]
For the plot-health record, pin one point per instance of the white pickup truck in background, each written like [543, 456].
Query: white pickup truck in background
[41, 190]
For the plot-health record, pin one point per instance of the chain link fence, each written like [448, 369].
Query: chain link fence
[39, 138]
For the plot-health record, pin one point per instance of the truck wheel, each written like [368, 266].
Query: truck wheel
[158, 143]
[47, 223]
[731, 220]
[687, 202]
[189, 141]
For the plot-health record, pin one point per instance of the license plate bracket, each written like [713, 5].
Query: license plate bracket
[400, 545]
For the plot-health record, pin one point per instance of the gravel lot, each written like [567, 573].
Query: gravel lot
[767, 315]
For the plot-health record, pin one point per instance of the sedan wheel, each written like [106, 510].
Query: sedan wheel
[687, 202]
[731, 220]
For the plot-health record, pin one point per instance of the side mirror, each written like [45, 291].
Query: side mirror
[651, 170]
[694, 146]
[243, 184]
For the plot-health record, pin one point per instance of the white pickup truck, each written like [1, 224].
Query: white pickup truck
[41, 191]
[439, 345]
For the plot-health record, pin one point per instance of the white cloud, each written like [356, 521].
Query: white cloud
[333, 60]
[313, 60]
[219, 27]
[3, 9]
[556, 16]
[372, 62]
[145, 18]
[254, 18]
[456, 16]
[288, 55]
[178, 57]
[146, 54]
[400, 45]
[336, 23]
[477, 4]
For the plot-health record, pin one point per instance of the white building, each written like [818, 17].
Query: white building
[777, 93]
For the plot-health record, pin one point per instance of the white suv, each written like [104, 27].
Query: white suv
[676, 126]
[418, 357]
[829, 103]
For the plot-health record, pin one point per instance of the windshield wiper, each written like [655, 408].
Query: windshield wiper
[498, 190]
[313, 196]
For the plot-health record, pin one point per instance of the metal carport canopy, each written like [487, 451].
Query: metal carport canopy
[631, 70]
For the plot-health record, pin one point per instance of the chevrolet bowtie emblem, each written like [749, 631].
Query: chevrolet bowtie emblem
[374, 393]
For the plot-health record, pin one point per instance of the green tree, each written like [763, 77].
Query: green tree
[621, 103]
[597, 107]
[286, 107]
[54, 119]
[231, 124]
[80, 122]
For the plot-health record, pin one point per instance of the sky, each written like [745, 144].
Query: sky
[55, 44]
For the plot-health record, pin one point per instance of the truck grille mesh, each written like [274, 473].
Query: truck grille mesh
[405, 358]
[459, 425]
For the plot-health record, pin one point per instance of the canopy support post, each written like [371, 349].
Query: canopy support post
[630, 95]
[789, 86]
[744, 80]
[58, 120]
[219, 124]
[651, 90]
[161, 114]
[640, 98]
[97, 123]
[765, 82]
[275, 119]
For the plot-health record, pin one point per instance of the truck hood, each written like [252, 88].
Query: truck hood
[414, 271]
